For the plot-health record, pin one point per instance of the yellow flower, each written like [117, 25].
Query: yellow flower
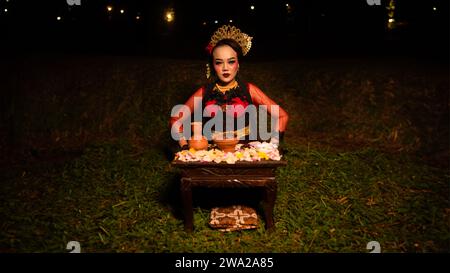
[263, 155]
[192, 150]
[239, 155]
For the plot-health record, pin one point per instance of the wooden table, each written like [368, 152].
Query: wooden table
[222, 175]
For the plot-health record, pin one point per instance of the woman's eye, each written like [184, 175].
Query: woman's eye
[231, 62]
[218, 63]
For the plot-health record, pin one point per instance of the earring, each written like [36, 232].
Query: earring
[208, 71]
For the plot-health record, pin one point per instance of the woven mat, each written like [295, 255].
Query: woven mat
[233, 218]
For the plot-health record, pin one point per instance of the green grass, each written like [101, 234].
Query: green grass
[364, 151]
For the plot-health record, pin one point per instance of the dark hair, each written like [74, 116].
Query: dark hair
[229, 42]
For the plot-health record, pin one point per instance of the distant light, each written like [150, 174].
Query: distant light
[122, 11]
[58, 18]
[109, 8]
[169, 15]
[288, 8]
[216, 22]
[6, 10]
[391, 20]
[204, 23]
[434, 8]
[252, 7]
[138, 17]
[231, 21]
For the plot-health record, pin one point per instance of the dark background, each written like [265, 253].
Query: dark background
[307, 28]
[85, 103]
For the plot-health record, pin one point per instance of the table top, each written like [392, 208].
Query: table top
[238, 164]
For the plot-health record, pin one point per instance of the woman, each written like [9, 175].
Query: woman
[227, 94]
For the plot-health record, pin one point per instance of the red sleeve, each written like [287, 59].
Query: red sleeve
[190, 103]
[259, 98]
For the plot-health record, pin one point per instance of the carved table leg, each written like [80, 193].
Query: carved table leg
[186, 196]
[270, 194]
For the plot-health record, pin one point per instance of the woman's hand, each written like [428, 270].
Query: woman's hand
[185, 147]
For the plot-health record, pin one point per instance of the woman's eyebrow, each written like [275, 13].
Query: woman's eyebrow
[229, 59]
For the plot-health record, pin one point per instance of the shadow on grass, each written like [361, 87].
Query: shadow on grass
[170, 192]
[170, 196]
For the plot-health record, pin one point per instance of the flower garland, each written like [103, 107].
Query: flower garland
[254, 151]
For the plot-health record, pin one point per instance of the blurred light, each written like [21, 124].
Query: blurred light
[58, 18]
[391, 14]
[216, 22]
[122, 11]
[138, 17]
[109, 8]
[434, 8]
[252, 7]
[288, 8]
[169, 15]
[6, 10]
[204, 23]
[231, 21]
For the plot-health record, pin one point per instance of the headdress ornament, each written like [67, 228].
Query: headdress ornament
[231, 32]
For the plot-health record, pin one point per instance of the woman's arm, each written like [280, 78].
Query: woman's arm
[190, 103]
[259, 98]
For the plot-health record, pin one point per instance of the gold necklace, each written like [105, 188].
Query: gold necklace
[224, 89]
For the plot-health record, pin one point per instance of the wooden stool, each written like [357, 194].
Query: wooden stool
[223, 175]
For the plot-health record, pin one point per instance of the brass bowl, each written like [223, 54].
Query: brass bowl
[227, 145]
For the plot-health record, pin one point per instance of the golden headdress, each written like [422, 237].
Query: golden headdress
[231, 32]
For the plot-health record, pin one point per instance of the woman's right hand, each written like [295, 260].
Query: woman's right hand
[182, 142]
[185, 147]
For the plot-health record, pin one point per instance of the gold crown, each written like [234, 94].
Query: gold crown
[231, 32]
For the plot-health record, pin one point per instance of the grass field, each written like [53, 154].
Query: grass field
[86, 153]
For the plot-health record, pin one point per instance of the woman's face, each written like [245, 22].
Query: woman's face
[225, 63]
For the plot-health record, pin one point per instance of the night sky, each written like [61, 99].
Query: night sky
[284, 28]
